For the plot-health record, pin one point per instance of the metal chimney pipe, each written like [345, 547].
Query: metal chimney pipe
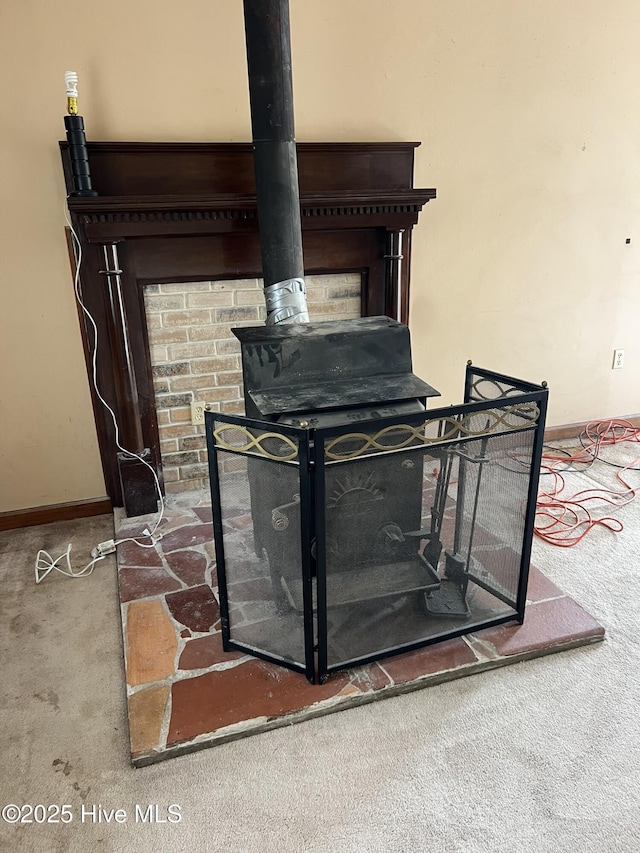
[275, 160]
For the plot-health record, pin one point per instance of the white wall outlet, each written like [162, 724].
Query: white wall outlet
[618, 359]
[197, 412]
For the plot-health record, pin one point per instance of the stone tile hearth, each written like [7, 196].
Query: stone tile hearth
[185, 693]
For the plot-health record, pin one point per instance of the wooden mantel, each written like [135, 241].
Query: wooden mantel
[171, 212]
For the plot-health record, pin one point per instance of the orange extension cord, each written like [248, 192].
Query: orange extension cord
[564, 519]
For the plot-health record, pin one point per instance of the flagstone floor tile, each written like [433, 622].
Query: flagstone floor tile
[441, 657]
[253, 690]
[189, 565]
[150, 641]
[203, 652]
[143, 582]
[547, 625]
[147, 709]
[194, 608]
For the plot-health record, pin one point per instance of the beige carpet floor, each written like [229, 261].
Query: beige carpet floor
[540, 756]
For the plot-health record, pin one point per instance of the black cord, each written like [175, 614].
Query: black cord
[597, 455]
[570, 464]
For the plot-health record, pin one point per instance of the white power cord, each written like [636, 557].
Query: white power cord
[44, 561]
[45, 564]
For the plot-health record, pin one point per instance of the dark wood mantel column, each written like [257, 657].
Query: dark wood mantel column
[395, 268]
[125, 379]
[139, 492]
[170, 212]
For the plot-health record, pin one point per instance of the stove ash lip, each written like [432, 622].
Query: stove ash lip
[383, 390]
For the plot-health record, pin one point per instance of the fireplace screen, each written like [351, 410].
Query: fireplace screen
[344, 545]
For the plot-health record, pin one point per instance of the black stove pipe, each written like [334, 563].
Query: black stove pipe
[275, 161]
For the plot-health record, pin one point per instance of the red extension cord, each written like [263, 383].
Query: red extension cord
[564, 519]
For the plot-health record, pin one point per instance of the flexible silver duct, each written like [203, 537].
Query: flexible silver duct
[286, 302]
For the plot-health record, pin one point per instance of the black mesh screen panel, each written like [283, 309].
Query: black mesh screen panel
[261, 532]
[423, 541]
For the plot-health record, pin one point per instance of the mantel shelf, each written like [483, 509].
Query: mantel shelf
[245, 201]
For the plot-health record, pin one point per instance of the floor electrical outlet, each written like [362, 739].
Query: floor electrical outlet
[618, 359]
[197, 413]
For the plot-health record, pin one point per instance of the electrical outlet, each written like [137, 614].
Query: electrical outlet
[618, 359]
[197, 412]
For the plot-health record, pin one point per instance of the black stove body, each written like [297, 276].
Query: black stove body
[350, 524]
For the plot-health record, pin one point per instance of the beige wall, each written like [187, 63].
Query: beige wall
[527, 114]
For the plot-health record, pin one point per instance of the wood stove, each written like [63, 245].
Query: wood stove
[350, 523]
